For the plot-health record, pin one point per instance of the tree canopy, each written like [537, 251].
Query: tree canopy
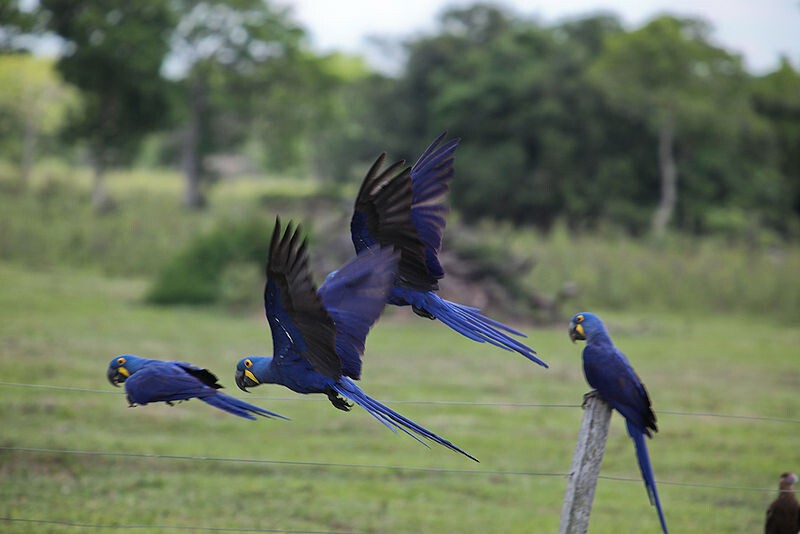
[113, 55]
[582, 121]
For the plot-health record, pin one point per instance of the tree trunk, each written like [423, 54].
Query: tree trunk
[192, 137]
[669, 177]
[101, 202]
[28, 145]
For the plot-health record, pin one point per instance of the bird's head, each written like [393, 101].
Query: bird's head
[123, 366]
[788, 480]
[251, 371]
[584, 325]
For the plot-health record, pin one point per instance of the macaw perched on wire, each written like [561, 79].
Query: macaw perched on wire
[608, 371]
[149, 381]
[318, 336]
[405, 208]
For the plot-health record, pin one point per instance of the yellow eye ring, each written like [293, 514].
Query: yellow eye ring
[121, 361]
[579, 319]
[248, 363]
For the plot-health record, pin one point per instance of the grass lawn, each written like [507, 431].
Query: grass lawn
[61, 327]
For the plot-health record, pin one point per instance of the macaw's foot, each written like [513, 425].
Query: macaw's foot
[338, 402]
[423, 313]
[173, 403]
[131, 404]
[589, 396]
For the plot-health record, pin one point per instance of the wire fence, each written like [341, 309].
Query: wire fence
[429, 403]
[390, 467]
[194, 528]
[68, 524]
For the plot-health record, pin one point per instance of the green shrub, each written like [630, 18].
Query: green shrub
[195, 275]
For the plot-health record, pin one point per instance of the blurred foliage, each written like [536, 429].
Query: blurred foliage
[195, 275]
[113, 54]
[228, 56]
[34, 103]
[218, 255]
[226, 88]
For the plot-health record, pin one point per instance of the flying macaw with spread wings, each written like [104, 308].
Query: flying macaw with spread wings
[406, 209]
[318, 336]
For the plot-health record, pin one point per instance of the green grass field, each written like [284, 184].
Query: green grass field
[710, 326]
[60, 327]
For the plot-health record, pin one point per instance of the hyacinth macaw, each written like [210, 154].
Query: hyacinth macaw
[783, 515]
[608, 371]
[318, 336]
[155, 380]
[406, 208]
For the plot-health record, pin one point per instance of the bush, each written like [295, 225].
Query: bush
[195, 275]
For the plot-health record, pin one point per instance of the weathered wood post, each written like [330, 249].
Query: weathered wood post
[585, 466]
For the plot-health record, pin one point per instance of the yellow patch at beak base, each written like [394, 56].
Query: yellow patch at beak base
[251, 376]
[579, 329]
[124, 372]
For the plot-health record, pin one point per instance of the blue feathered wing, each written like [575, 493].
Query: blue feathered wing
[161, 381]
[354, 297]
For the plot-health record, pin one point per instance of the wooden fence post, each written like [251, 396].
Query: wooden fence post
[585, 466]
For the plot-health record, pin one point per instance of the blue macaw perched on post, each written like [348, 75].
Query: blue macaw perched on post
[405, 208]
[318, 336]
[608, 371]
[156, 381]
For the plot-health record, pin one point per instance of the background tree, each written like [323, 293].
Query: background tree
[17, 25]
[34, 101]
[537, 144]
[312, 122]
[670, 77]
[229, 52]
[113, 54]
[776, 97]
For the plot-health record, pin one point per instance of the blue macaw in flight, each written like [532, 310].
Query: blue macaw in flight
[149, 381]
[608, 371]
[405, 208]
[318, 336]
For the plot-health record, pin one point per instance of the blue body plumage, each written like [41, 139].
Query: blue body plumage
[608, 371]
[318, 336]
[406, 208]
[149, 381]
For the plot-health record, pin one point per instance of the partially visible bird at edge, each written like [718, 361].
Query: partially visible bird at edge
[319, 335]
[149, 381]
[783, 514]
[406, 208]
[609, 372]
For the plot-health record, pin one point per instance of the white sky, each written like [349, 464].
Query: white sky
[760, 30]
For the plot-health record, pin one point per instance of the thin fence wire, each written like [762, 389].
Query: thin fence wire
[299, 463]
[433, 403]
[107, 526]
[332, 465]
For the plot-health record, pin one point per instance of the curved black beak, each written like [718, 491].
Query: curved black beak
[115, 377]
[244, 381]
[576, 332]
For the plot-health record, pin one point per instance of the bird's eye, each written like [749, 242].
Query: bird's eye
[248, 363]
[579, 319]
[120, 361]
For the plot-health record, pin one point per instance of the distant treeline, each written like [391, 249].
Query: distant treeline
[583, 121]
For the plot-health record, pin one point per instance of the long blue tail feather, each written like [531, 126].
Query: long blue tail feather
[647, 472]
[469, 313]
[391, 419]
[469, 322]
[238, 407]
